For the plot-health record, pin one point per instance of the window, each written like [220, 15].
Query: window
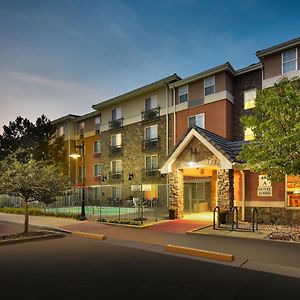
[116, 192]
[80, 169]
[151, 162]
[197, 120]
[97, 147]
[61, 131]
[151, 103]
[116, 114]
[151, 132]
[97, 123]
[248, 134]
[209, 85]
[293, 191]
[289, 60]
[116, 166]
[183, 93]
[81, 128]
[116, 140]
[249, 98]
[97, 170]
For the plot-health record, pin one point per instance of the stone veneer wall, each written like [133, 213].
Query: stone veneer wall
[225, 188]
[242, 83]
[176, 200]
[133, 157]
[274, 215]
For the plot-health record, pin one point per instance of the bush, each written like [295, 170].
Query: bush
[38, 212]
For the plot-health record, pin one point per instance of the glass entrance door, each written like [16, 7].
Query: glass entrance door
[196, 196]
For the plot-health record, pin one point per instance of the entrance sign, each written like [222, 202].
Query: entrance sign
[264, 191]
[264, 188]
[136, 188]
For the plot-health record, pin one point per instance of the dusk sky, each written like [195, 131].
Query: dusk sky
[61, 57]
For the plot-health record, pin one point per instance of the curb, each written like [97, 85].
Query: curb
[199, 253]
[31, 239]
[89, 235]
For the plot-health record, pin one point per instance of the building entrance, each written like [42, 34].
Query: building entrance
[197, 195]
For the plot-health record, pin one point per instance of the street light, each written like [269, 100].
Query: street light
[75, 156]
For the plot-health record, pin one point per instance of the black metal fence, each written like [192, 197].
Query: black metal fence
[108, 203]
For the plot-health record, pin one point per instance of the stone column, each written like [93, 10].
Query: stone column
[176, 191]
[225, 188]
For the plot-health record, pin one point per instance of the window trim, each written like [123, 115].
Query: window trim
[187, 93]
[100, 170]
[196, 116]
[145, 130]
[145, 161]
[254, 89]
[296, 59]
[111, 163]
[111, 139]
[214, 85]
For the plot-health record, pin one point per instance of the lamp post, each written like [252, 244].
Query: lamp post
[75, 156]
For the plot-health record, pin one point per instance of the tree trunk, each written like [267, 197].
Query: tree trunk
[26, 223]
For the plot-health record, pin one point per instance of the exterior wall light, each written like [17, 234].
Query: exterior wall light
[130, 176]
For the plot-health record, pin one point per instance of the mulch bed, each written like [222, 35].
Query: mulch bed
[22, 235]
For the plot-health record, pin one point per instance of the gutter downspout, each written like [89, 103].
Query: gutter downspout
[167, 119]
[174, 116]
[243, 195]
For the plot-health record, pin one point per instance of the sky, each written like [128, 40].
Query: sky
[60, 57]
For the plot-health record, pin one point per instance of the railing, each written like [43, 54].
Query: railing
[116, 124]
[151, 144]
[150, 114]
[116, 150]
[151, 174]
[116, 176]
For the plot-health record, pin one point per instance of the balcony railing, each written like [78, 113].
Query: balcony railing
[116, 176]
[151, 174]
[116, 150]
[150, 114]
[116, 124]
[151, 144]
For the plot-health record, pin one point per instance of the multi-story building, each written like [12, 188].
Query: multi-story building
[179, 139]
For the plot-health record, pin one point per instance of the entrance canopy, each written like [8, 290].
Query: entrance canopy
[200, 148]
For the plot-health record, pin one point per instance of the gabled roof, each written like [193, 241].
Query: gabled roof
[226, 151]
[224, 67]
[65, 118]
[88, 115]
[278, 48]
[138, 91]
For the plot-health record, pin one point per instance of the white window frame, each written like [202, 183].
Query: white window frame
[99, 143]
[296, 59]
[145, 132]
[207, 86]
[182, 94]
[61, 131]
[118, 111]
[195, 116]
[247, 135]
[153, 102]
[99, 168]
[252, 101]
[111, 166]
[97, 122]
[151, 156]
[118, 139]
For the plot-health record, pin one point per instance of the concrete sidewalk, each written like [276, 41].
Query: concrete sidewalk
[249, 249]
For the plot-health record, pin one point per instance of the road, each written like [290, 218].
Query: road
[81, 268]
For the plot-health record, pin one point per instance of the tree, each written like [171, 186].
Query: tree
[31, 181]
[38, 139]
[275, 151]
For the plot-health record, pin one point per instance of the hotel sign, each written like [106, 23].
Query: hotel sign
[264, 188]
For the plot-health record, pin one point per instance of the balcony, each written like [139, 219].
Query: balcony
[151, 144]
[116, 176]
[151, 114]
[151, 174]
[116, 124]
[116, 150]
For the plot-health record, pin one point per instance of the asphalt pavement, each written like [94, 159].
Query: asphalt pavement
[250, 251]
